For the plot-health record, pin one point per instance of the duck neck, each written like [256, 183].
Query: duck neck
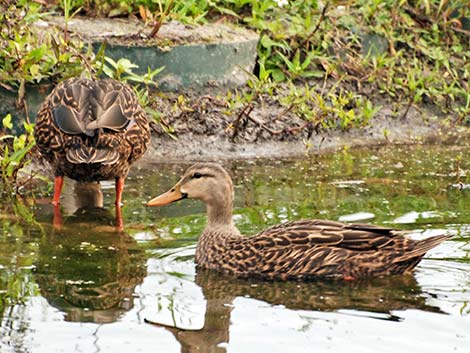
[219, 229]
[219, 215]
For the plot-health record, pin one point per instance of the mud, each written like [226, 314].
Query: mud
[204, 128]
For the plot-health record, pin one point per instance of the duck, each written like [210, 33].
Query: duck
[294, 250]
[90, 131]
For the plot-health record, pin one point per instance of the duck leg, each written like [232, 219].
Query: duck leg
[119, 189]
[57, 220]
[119, 220]
[58, 183]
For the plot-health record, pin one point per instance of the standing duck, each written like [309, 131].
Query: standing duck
[91, 130]
[294, 250]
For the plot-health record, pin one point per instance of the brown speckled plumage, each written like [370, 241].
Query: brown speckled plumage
[293, 250]
[91, 130]
[92, 150]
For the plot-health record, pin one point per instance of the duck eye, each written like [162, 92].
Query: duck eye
[197, 175]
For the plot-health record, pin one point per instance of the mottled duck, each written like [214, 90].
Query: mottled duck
[91, 130]
[300, 249]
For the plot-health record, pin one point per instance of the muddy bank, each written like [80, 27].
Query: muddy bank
[197, 147]
[204, 128]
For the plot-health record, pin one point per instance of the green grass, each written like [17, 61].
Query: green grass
[410, 52]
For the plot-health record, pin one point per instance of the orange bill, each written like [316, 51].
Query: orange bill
[170, 196]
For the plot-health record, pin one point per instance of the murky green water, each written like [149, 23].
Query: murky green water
[89, 289]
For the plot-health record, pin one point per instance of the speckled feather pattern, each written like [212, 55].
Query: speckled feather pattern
[300, 249]
[104, 153]
[313, 248]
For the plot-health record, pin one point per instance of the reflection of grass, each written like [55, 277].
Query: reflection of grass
[17, 254]
[15, 287]
[465, 310]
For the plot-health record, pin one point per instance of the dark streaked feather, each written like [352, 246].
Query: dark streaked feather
[67, 121]
[317, 248]
[97, 123]
[299, 249]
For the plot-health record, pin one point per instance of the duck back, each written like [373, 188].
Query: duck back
[91, 130]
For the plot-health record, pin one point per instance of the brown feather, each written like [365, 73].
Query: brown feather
[91, 130]
[300, 249]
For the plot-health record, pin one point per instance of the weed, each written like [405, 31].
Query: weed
[13, 150]
[161, 16]
[68, 15]
[121, 70]
[29, 55]
[422, 55]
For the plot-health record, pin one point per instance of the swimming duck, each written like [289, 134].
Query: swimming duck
[91, 130]
[293, 250]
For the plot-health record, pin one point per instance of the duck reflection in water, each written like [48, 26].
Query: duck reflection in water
[85, 268]
[85, 202]
[375, 297]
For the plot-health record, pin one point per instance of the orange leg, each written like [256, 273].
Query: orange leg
[119, 220]
[57, 220]
[58, 183]
[119, 189]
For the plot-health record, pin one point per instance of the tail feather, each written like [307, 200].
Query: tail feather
[427, 244]
[422, 247]
[88, 155]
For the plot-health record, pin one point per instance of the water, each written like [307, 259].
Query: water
[86, 288]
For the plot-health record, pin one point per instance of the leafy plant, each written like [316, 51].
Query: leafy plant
[13, 150]
[160, 16]
[122, 70]
[29, 54]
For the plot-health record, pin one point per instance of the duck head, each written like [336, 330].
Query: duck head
[208, 182]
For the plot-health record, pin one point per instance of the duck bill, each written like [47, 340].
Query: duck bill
[172, 195]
